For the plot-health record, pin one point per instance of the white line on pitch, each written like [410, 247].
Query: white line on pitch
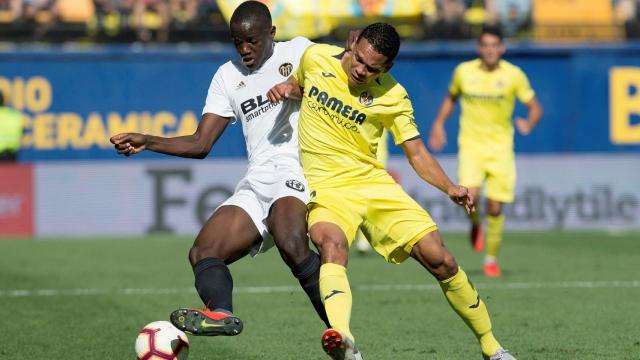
[285, 289]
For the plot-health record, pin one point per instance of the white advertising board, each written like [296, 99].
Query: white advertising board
[134, 197]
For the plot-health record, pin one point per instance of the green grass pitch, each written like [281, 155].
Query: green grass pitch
[564, 295]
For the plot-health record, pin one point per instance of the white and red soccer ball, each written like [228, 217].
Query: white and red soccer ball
[160, 340]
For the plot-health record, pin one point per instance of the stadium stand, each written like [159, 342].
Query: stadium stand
[124, 21]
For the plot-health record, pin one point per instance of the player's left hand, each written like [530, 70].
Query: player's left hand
[461, 196]
[524, 126]
[351, 39]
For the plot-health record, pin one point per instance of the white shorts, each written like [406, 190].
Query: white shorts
[260, 188]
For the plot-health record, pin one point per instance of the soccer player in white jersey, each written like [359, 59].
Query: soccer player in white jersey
[269, 203]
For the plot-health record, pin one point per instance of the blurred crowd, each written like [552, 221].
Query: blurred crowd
[106, 20]
[203, 20]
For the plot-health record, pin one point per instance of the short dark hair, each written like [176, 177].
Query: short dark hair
[253, 11]
[491, 30]
[384, 38]
[1, 99]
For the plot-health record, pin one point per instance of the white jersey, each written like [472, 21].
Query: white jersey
[270, 130]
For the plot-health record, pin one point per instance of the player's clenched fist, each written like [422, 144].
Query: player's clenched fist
[129, 143]
[285, 90]
[461, 196]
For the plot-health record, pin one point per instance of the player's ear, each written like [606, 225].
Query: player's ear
[272, 32]
[387, 67]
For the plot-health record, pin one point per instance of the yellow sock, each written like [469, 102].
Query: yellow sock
[495, 224]
[464, 299]
[336, 296]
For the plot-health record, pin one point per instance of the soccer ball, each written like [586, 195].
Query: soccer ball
[160, 340]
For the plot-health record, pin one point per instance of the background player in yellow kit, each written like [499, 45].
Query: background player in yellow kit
[348, 97]
[488, 87]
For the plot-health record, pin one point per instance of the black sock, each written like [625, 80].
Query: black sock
[308, 273]
[214, 283]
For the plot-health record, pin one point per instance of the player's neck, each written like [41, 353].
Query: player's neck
[489, 68]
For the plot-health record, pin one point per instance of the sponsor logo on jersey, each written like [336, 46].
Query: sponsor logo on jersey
[365, 98]
[328, 75]
[285, 69]
[295, 185]
[255, 107]
[484, 98]
[336, 105]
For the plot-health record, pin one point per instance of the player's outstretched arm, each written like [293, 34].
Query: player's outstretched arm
[525, 126]
[430, 171]
[437, 136]
[195, 146]
[288, 89]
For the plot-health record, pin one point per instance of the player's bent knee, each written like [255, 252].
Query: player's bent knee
[333, 251]
[449, 265]
[199, 252]
[294, 249]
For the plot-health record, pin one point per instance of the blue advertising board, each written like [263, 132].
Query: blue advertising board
[75, 99]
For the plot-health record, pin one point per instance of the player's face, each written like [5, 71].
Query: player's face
[253, 42]
[366, 63]
[490, 49]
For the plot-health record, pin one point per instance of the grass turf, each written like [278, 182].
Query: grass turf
[562, 296]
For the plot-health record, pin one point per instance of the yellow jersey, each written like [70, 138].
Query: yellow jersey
[340, 127]
[487, 102]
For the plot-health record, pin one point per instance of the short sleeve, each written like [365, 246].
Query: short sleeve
[455, 84]
[299, 74]
[218, 101]
[403, 125]
[300, 45]
[523, 89]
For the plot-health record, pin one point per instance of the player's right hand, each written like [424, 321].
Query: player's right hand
[437, 138]
[461, 196]
[128, 144]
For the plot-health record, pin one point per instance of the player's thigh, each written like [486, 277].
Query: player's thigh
[394, 221]
[501, 178]
[471, 168]
[228, 235]
[287, 222]
[340, 206]
[287, 213]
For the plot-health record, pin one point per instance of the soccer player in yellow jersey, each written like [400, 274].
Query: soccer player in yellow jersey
[348, 97]
[488, 87]
[382, 154]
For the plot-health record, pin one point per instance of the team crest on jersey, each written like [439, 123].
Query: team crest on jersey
[500, 84]
[365, 98]
[295, 185]
[285, 69]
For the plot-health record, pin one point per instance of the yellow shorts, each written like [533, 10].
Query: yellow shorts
[389, 218]
[498, 170]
